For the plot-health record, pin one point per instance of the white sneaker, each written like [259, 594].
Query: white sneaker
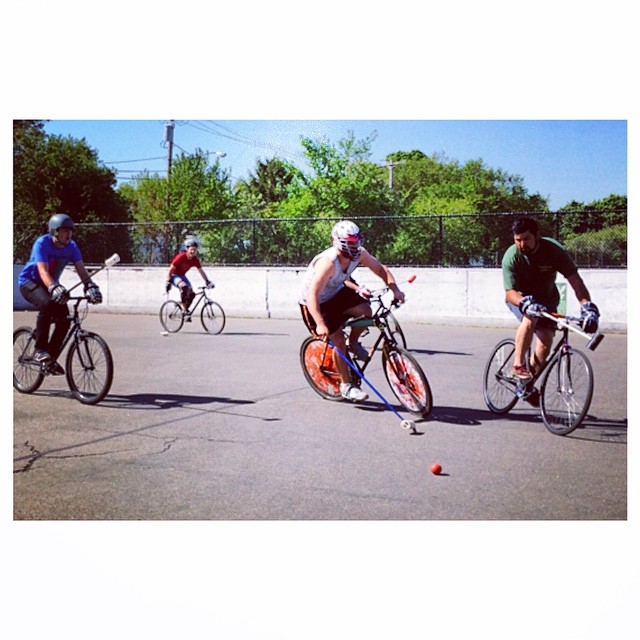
[351, 392]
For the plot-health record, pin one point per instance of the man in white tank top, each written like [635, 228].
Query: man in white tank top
[329, 297]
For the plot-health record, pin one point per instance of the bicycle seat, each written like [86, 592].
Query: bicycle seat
[360, 321]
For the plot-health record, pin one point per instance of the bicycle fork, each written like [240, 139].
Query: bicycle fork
[84, 352]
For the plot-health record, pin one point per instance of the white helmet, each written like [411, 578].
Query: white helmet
[347, 237]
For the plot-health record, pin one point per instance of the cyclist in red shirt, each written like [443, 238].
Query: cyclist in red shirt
[178, 268]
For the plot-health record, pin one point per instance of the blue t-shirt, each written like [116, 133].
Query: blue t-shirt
[44, 250]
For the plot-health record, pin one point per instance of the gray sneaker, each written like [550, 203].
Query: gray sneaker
[353, 393]
[41, 356]
[359, 351]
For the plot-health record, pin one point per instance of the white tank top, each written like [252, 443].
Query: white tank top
[336, 281]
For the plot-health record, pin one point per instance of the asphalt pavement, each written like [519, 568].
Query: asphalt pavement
[202, 427]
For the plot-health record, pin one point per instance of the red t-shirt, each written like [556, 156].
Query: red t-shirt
[181, 264]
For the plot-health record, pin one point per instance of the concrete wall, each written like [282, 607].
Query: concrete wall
[437, 296]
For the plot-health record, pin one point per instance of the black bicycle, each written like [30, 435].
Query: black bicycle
[88, 365]
[402, 371]
[173, 316]
[566, 379]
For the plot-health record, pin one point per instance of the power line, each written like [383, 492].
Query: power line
[236, 137]
[139, 160]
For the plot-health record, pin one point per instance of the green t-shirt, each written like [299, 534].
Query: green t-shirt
[535, 274]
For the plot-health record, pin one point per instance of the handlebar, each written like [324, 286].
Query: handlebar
[377, 294]
[565, 321]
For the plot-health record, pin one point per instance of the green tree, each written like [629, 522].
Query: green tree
[435, 186]
[609, 211]
[270, 184]
[169, 209]
[342, 183]
[55, 173]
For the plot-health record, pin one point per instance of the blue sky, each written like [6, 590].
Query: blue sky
[562, 160]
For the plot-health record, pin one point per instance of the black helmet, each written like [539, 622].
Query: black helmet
[59, 221]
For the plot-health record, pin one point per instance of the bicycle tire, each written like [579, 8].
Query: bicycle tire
[499, 390]
[396, 330]
[407, 381]
[89, 368]
[319, 368]
[212, 317]
[566, 392]
[171, 316]
[27, 376]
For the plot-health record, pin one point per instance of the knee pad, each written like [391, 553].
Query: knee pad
[187, 295]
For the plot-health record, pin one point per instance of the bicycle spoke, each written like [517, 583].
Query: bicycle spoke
[27, 374]
[499, 388]
[89, 369]
[566, 392]
[407, 381]
[319, 368]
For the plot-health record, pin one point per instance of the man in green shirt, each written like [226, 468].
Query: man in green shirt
[529, 269]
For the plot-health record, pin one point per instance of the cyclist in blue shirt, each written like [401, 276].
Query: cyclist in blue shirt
[39, 285]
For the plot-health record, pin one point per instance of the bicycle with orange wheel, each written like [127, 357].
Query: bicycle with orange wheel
[404, 375]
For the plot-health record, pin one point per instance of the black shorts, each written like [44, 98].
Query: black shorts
[333, 310]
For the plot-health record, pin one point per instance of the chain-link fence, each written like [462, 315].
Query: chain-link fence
[595, 239]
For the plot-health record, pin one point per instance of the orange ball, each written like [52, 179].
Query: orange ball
[436, 469]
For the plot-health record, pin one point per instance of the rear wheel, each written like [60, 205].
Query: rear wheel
[499, 389]
[407, 381]
[318, 366]
[212, 317]
[566, 392]
[171, 316]
[89, 368]
[27, 374]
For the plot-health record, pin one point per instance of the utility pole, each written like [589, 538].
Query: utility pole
[390, 164]
[168, 138]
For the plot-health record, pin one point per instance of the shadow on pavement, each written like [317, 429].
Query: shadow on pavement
[592, 428]
[165, 400]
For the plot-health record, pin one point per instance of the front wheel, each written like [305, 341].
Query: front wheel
[89, 368]
[319, 368]
[566, 392]
[407, 381]
[396, 330]
[212, 317]
[171, 316]
[499, 389]
[27, 374]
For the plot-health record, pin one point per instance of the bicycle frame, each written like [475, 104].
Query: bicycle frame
[561, 346]
[202, 294]
[378, 320]
[75, 330]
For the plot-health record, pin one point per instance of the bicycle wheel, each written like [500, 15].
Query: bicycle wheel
[171, 316]
[212, 317]
[396, 331]
[566, 392]
[27, 374]
[89, 368]
[499, 389]
[407, 381]
[319, 368]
